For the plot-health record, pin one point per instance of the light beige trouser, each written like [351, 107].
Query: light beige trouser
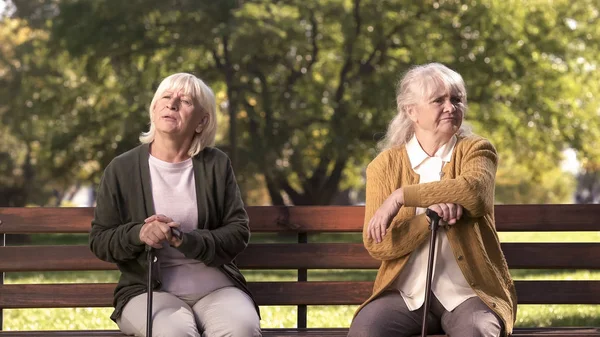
[224, 312]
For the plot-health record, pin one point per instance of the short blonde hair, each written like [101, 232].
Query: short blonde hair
[203, 96]
[419, 83]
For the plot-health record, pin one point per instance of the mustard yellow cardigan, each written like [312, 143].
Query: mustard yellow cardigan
[468, 180]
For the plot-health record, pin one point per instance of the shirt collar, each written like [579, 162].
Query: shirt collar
[417, 156]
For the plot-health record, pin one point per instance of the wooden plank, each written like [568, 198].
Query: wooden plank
[552, 255]
[556, 331]
[312, 219]
[334, 332]
[50, 258]
[73, 333]
[302, 256]
[281, 293]
[548, 218]
[342, 332]
[262, 219]
[31, 220]
[100, 294]
[312, 332]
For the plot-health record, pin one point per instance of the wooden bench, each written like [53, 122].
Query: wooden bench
[300, 223]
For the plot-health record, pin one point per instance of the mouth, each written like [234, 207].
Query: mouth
[169, 118]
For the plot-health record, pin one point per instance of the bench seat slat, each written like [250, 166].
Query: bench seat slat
[337, 332]
[312, 219]
[341, 332]
[281, 293]
[298, 256]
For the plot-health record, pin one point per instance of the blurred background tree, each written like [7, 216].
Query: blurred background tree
[305, 88]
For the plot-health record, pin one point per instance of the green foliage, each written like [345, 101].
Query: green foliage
[518, 183]
[306, 88]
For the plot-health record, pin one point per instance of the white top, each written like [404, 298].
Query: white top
[448, 283]
[174, 195]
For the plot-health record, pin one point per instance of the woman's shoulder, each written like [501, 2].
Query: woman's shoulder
[391, 157]
[212, 156]
[473, 141]
[127, 159]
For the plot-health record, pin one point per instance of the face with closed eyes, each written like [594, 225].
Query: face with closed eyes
[177, 114]
[439, 113]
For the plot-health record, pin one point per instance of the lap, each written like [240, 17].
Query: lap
[170, 316]
[224, 312]
[227, 311]
[472, 318]
[388, 315]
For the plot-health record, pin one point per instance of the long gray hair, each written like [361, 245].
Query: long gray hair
[418, 84]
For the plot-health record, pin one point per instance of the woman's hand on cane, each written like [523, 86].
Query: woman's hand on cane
[157, 229]
[449, 212]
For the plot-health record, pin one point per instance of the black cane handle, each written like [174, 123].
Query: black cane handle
[176, 232]
[432, 215]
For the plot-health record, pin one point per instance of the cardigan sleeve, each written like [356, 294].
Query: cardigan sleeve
[472, 188]
[110, 238]
[216, 247]
[406, 231]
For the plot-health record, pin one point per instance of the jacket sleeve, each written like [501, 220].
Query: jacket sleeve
[473, 187]
[110, 239]
[216, 247]
[407, 230]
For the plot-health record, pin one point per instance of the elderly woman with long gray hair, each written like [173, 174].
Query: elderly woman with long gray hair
[176, 180]
[431, 161]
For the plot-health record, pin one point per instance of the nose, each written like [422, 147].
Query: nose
[172, 104]
[449, 106]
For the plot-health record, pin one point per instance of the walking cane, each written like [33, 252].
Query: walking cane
[435, 221]
[150, 257]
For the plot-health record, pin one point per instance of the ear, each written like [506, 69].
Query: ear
[203, 122]
[412, 113]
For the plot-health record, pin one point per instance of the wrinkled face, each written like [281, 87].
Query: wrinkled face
[177, 114]
[440, 112]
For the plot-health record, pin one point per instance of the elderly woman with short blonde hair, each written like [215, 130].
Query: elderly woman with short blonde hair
[176, 179]
[430, 160]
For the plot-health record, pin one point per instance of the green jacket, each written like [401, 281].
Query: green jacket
[125, 200]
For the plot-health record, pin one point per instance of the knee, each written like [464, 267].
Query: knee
[239, 328]
[174, 331]
[364, 328]
[175, 326]
[245, 330]
[486, 328]
[358, 331]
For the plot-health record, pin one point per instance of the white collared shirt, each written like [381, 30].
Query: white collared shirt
[449, 284]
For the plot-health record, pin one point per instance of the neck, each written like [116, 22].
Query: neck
[169, 149]
[431, 142]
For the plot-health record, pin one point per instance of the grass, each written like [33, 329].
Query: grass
[285, 316]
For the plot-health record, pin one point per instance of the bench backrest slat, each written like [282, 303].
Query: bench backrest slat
[302, 256]
[313, 219]
[282, 293]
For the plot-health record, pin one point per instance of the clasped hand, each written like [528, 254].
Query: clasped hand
[380, 222]
[157, 229]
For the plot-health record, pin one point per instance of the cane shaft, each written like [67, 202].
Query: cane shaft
[150, 256]
[434, 227]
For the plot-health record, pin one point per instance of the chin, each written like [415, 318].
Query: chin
[166, 130]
